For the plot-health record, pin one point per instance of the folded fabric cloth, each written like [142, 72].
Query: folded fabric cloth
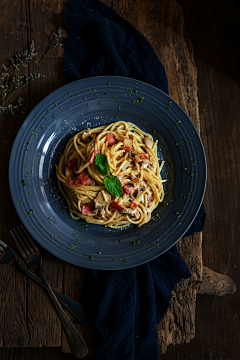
[122, 306]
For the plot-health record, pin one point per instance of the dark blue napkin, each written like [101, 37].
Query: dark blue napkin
[122, 306]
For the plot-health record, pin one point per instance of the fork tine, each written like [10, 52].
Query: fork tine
[3, 244]
[18, 242]
[25, 240]
[34, 247]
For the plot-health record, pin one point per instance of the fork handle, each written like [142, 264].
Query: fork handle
[72, 306]
[77, 343]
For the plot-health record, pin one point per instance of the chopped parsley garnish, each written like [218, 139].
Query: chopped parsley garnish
[72, 247]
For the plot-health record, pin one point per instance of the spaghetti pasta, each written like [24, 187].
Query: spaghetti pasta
[129, 158]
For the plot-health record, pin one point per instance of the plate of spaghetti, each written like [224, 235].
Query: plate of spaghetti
[107, 172]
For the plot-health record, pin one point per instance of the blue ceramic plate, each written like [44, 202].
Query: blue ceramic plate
[89, 103]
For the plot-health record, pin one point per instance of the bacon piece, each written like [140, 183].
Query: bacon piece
[140, 157]
[128, 189]
[83, 178]
[111, 139]
[77, 182]
[93, 156]
[121, 180]
[133, 205]
[72, 163]
[71, 180]
[86, 209]
[127, 144]
[116, 206]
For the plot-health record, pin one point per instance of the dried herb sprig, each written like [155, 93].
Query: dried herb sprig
[55, 44]
[11, 79]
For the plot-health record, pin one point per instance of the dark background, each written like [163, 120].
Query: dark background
[213, 27]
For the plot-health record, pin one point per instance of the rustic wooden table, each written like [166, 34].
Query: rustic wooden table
[206, 84]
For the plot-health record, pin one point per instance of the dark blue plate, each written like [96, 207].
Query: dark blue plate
[89, 103]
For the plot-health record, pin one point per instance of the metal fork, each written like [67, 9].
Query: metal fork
[32, 256]
[7, 256]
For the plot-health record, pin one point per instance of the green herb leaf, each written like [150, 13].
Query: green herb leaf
[113, 185]
[101, 163]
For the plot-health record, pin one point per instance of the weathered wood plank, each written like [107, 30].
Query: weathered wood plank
[44, 323]
[178, 326]
[13, 286]
[216, 284]
[22, 26]
[12, 354]
[217, 54]
[13, 325]
[73, 278]
[37, 354]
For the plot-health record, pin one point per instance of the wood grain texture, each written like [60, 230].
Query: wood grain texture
[13, 323]
[73, 279]
[13, 286]
[44, 323]
[43, 19]
[213, 27]
[178, 326]
[216, 284]
[31, 320]
[37, 354]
